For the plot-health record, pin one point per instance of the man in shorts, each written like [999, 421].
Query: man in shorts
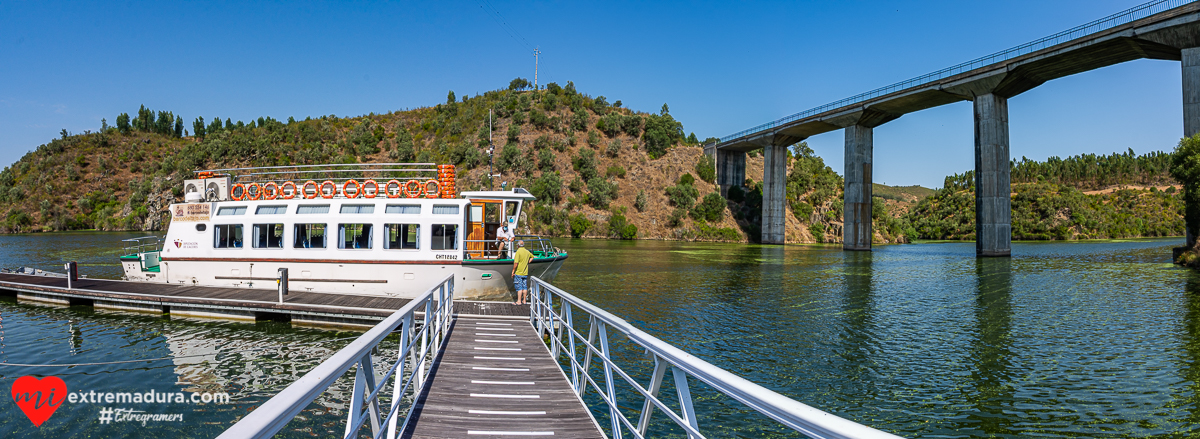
[520, 273]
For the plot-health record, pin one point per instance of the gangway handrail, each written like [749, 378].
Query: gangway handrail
[560, 322]
[437, 305]
[1127, 16]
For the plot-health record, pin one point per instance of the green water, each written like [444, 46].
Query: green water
[1063, 339]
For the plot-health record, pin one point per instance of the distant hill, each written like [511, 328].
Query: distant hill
[1081, 197]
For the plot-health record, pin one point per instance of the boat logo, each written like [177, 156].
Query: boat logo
[179, 243]
[39, 397]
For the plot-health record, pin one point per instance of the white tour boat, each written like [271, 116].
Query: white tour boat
[384, 236]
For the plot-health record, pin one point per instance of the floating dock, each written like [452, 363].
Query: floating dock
[301, 308]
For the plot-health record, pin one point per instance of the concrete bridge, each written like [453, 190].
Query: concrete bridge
[1162, 29]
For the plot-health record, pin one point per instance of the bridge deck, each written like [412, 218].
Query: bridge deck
[495, 378]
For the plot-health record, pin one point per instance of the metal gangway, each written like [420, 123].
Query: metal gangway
[460, 376]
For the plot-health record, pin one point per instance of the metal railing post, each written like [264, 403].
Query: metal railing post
[656, 380]
[685, 399]
[398, 380]
[614, 413]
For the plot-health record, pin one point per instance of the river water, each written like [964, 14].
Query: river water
[1063, 339]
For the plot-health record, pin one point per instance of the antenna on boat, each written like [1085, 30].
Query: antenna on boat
[491, 149]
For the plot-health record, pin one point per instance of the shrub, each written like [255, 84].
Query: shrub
[548, 187]
[736, 194]
[601, 192]
[686, 179]
[579, 225]
[542, 142]
[710, 209]
[514, 133]
[539, 119]
[570, 140]
[677, 216]
[545, 160]
[576, 185]
[593, 139]
[705, 169]
[510, 158]
[615, 171]
[801, 210]
[682, 195]
[585, 164]
[640, 202]
[518, 118]
[579, 121]
[619, 227]
[614, 148]
[818, 231]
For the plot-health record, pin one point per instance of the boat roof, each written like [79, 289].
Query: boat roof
[517, 193]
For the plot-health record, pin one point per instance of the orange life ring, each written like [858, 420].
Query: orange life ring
[346, 189]
[387, 189]
[419, 191]
[304, 190]
[270, 191]
[435, 192]
[332, 192]
[363, 187]
[287, 195]
[254, 192]
[233, 192]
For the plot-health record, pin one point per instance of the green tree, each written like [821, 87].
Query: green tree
[198, 127]
[519, 84]
[710, 209]
[123, 123]
[178, 127]
[1185, 168]
[662, 131]
[450, 99]
[579, 225]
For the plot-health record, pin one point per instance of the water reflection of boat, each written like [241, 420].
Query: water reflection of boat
[238, 227]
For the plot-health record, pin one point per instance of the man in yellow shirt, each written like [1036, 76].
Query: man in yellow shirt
[520, 273]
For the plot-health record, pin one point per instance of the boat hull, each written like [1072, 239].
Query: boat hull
[474, 279]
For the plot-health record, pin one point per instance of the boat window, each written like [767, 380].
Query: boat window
[401, 236]
[309, 236]
[227, 235]
[510, 209]
[270, 210]
[358, 208]
[413, 209]
[442, 209]
[354, 236]
[313, 208]
[444, 237]
[232, 210]
[268, 236]
[491, 213]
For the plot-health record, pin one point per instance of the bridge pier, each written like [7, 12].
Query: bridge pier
[1191, 107]
[731, 170]
[774, 185]
[993, 211]
[856, 231]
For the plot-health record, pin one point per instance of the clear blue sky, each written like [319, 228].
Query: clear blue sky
[721, 66]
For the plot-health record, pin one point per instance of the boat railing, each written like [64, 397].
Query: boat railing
[497, 249]
[276, 173]
[418, 345]
[139, 245]
[561, 315]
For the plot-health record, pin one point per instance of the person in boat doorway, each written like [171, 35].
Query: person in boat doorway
[505, 236]
[520, 272]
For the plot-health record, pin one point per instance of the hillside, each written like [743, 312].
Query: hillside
[597, 168]
[1080, 197]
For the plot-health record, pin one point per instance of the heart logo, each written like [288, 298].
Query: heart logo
[178, 243]
[39, 398]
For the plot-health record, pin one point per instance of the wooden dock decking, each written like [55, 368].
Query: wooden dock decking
[317, 309]
[495, 378]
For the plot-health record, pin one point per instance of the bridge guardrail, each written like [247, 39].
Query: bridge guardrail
[1129, 15]
[559, 323]
[417, 348]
